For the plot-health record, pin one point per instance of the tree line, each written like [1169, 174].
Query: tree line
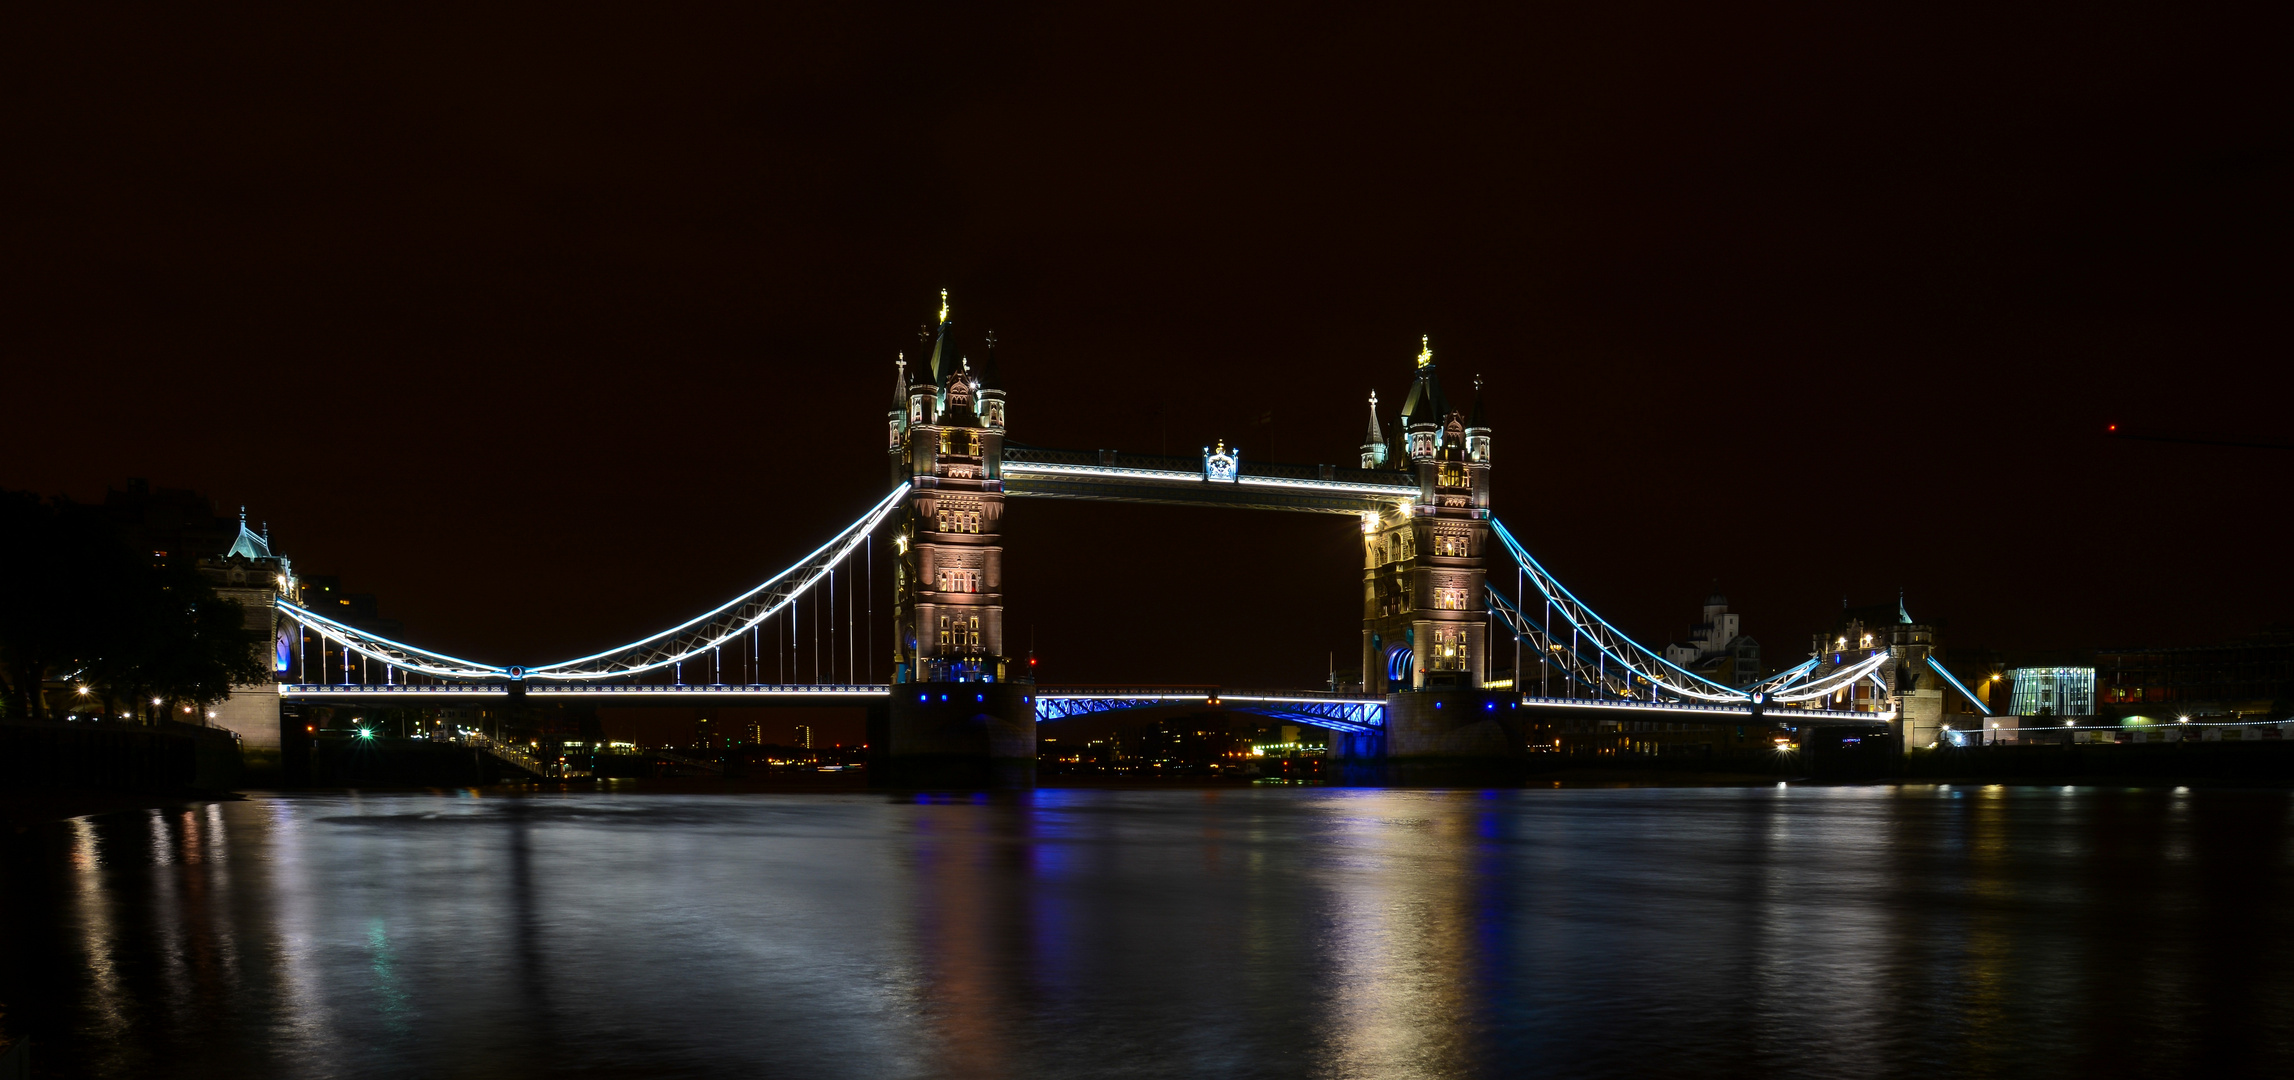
[81, 604]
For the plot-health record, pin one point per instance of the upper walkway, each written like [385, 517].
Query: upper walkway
[1112, 476]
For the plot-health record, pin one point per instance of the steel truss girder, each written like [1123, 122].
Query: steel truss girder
[1352, 715]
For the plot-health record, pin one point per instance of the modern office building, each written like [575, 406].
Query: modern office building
[2065, 692]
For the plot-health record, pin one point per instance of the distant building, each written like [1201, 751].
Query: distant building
[324, 594]
[169, 523]
[1716, 650]
[2252, 677]
[804, 736]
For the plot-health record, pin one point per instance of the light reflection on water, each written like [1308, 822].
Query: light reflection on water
[1771, 931]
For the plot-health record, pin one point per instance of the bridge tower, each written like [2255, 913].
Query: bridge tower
[255, 576]
[1425, 640]
[962, 711]
[1423, 622]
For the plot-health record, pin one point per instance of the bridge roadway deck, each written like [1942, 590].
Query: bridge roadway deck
[1345, 712]
[378, 694]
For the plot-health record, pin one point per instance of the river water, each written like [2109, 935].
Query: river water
[1765, 931]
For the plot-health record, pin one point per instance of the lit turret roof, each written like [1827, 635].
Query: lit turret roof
[249, 544]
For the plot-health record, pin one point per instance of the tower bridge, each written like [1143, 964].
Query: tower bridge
[959, 708]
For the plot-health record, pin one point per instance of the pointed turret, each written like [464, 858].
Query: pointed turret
[923, 388]
[1374, 443]
[991, 388]
[990, 378]
[897, 418]
[247, 544]
[945, 361]
[1423, 411]
[1478, 429]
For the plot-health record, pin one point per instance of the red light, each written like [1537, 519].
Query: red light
[2114, 427]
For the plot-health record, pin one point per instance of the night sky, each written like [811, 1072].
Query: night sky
[553, 326]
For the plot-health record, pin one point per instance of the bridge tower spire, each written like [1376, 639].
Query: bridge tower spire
[1374, 443]
[961, 711]
[897, 417]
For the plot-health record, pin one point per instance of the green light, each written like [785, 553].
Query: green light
[365, 733]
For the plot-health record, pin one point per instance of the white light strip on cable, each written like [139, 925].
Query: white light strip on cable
[413, 658]
[851, 539]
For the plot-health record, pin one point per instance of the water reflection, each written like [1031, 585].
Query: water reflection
[1762, 931]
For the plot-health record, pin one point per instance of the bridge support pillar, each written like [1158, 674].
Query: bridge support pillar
[959, 735]
[1921, 717]
[1442, 737]
[1358, 760]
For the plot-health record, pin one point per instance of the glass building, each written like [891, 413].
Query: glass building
[2057, 691]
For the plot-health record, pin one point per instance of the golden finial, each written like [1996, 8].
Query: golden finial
[1425, 349]
[943, 305]
[1374, 399]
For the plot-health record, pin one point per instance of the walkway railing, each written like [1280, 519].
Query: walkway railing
[506, 752]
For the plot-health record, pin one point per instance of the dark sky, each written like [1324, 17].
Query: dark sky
[553, 326]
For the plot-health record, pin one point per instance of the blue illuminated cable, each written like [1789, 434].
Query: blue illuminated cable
[1544, 577]
[1957, 685]
[1577, 655]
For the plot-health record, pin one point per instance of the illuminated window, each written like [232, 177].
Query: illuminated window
[943, 631]
[975, 632]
